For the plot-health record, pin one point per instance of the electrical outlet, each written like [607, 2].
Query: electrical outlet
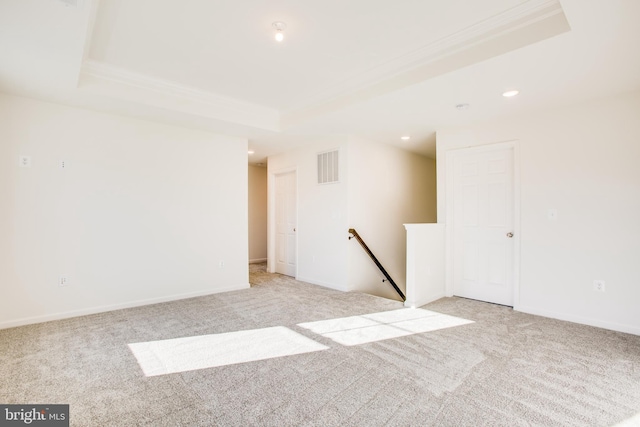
[599, 285]
[63, 280]
[221, 264]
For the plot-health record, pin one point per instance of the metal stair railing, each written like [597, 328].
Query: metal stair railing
[354, 234]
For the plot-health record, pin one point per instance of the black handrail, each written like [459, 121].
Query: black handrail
[355, 234]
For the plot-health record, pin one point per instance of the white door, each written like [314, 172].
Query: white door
[286, 223]
[483, 221]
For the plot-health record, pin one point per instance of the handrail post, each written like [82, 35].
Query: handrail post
[354, 234]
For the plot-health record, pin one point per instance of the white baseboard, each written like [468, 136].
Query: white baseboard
[618, 327]
[321, 283]
[257, 260]
[423, 301]
[104, 308]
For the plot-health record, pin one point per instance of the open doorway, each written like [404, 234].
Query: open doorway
[257, 216]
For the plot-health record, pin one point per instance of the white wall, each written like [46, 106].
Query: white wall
[322, 215]
[388, 187]
[257, 213]
[144, 212]
[583, 161]
[381, 187]
[425, 263]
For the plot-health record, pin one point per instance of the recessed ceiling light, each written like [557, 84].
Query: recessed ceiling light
[462, 107]
[510, 93]
[405, 138]
[279, 26]
[250, 151]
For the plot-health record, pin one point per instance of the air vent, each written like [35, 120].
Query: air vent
[328, 167]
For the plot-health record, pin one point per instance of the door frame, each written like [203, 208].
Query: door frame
[271, 216]
[450, 156]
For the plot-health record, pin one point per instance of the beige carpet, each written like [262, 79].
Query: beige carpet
[505, 368]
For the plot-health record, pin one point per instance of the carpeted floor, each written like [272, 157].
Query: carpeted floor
[505, 369]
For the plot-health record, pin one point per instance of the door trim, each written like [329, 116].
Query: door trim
[271, 216]
[450, 155]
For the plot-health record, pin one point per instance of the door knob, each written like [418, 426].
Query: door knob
[510, 234]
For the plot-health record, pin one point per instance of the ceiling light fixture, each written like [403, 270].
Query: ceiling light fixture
[250, 151]
[405, 138]
[510, 93]
[279, 26]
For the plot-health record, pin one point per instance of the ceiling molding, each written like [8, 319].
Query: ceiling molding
[110, 81]
[91, 23]
[532, 21]
[547, 16]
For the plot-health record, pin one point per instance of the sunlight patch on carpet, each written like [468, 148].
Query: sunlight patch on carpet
[208, 351]
[355, 330]
[630, 422]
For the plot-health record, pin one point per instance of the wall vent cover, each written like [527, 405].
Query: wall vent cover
[328, 167]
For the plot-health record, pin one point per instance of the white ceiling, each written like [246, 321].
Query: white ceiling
[376, 69]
